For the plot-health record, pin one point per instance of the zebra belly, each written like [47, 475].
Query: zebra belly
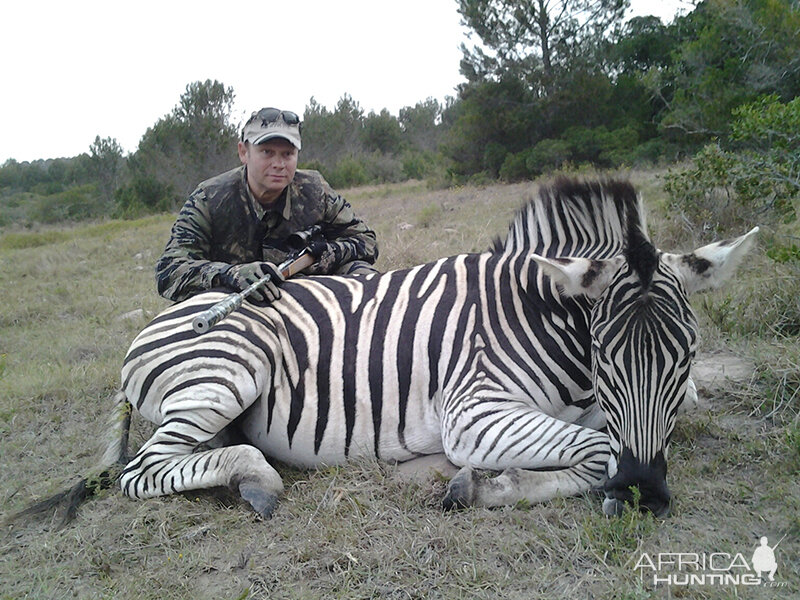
[310, 446]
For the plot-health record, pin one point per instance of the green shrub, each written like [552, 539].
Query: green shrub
[618, 146]
[650, 152]
[548, 155]
[418, 165]
[703, 195]
[753, 177]
[143, 196]
[784, 254]
[313, 165]
[73, 204]
[348, 172]
[585, 144]
[48, 188]
[515, 167]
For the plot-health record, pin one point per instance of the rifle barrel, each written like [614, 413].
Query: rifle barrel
[211, 316]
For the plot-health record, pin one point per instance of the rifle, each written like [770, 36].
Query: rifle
[298, 261]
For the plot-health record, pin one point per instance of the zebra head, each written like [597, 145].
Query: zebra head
[643, 333]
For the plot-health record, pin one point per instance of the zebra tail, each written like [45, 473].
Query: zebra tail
[101, 477]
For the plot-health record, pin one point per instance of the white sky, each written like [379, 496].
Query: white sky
[75, 69]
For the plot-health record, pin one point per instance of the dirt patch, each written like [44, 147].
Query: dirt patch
[719, 369]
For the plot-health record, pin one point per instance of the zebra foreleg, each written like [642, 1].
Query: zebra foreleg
[471, 487]
[540, 458]
[167, 463]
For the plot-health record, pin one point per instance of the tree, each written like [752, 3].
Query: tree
[107, 162]
[537, 72]
[533, 39]
[490, 120]
[422, 125]
[197, 140]
[330, 136]
[730, 53]
[643, 43]
[381, 132]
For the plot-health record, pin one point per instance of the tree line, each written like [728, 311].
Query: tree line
[549, 84]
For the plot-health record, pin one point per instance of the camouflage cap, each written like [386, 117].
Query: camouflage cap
[270, 123]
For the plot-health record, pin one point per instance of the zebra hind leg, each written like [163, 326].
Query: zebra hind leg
[168, 463]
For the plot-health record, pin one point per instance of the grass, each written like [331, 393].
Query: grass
[74, 298]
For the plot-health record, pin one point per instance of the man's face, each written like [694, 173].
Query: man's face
[270, 167]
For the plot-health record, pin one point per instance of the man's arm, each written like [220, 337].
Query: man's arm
[185, 268]
[350, 233]
[349, 239]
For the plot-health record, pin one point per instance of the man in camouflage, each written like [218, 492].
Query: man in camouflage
[235, 227]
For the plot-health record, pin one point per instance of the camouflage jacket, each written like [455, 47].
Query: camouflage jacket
[222, 224]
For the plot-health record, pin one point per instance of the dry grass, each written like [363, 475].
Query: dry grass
[358, 531]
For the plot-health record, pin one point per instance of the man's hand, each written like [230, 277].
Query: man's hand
[326, 254]
[239, 277]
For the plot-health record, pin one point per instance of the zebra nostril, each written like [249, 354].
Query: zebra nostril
[656, 501]
[660, 510]
[612, 507]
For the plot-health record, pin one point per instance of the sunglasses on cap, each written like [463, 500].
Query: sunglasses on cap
[270, 115]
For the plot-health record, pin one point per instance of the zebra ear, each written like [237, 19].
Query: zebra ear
[710, 266]
[579, 276]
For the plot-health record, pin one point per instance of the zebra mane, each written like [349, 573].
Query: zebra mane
[582, 218]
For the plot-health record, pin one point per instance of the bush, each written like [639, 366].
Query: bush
[618, 146]
[15, 208]
[143, 196]
[767, 307]
[382, 168]
[585, 144]
[766, 143]
[348, 172]
[73, 204]
[650, 152]
[313, 165]
[548, 155]
[515, 167]
[703, 196]
[418, 165]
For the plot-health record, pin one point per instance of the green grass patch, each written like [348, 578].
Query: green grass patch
[19, 240]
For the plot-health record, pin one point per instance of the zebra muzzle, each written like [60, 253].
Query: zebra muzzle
[638, 485]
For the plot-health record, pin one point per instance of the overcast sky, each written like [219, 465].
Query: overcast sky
[75, 69]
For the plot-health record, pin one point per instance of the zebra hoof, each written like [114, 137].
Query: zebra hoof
[262, 502]
[461, 490]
